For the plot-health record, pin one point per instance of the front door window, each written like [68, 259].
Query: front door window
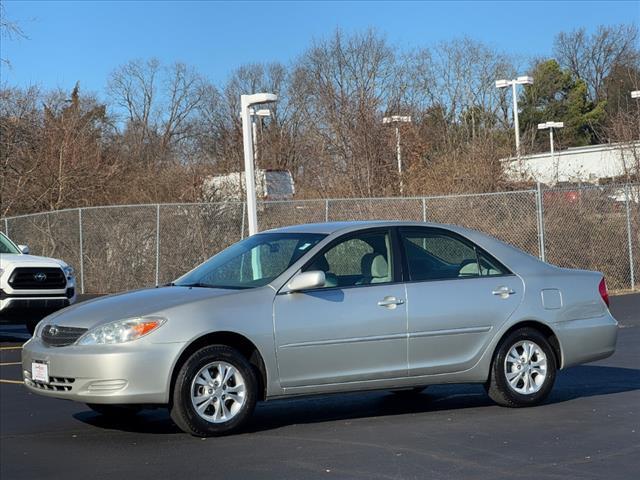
[364, 259]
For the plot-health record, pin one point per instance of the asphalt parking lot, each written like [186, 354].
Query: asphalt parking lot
[589, 428]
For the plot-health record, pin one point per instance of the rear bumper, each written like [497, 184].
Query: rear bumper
[587, 340]
[103, 374]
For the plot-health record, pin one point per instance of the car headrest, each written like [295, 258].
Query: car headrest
[379, 267]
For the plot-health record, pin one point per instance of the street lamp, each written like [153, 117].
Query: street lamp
[635, 94]
[262, 113]
[550, 126]
[246, 102]
[397, 119]
[522, 80]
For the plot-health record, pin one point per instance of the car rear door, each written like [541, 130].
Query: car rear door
[354, 328]
[457, 295]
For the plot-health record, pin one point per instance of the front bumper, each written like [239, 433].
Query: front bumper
[138, 372]
[45, 301]
[587, 340]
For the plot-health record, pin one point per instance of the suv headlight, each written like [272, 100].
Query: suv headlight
[68, 271]
[121, 331]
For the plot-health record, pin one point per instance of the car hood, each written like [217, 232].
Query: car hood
[137, 303]
[8, 260]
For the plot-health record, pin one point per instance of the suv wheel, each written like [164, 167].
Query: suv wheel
[523, 369]
[215, 392]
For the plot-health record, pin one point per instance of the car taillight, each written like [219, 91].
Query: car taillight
[604, 293]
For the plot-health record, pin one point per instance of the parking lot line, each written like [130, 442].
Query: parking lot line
[6, 364]
[11, 348]
[15, 382]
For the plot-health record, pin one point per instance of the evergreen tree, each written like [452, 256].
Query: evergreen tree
[556, 95]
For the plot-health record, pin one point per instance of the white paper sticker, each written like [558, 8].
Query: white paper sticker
[40, 372]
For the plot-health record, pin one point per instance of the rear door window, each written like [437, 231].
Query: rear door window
[435, 254]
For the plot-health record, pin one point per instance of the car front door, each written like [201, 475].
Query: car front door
[352, 329]
[457, 295]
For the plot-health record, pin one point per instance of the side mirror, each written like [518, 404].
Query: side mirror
[306, 280]
[24, 249]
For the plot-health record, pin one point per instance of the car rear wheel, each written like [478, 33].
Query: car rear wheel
[523, 370]
[215, 392]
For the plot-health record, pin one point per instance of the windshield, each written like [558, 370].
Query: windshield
[7, 246]
[253, 262]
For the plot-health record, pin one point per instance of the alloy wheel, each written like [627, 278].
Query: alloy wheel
[525, 367]
[218, 392]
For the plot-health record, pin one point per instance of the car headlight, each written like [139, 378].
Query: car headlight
[68, 271]
[121, 331]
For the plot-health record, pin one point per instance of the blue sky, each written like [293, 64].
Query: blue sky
[85, 41]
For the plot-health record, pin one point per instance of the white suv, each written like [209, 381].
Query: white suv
[30, 284]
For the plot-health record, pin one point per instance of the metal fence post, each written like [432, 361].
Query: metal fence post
[424, 209]
[326, 210]
[81, 250]
[244, 205]
[629, 237]
[157, 244]
[540, 212]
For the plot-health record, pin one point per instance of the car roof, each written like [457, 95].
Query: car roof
[333, 227]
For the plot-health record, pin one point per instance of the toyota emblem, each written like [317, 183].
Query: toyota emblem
[40, 276]
[53, 330]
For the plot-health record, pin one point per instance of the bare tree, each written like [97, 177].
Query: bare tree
[159, 104]
[341, 86]
[592, 57]
[9, 30]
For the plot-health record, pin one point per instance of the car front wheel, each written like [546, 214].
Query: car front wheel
[215, 392]
[523, 370]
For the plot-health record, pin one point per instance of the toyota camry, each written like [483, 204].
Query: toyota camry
[322, 308]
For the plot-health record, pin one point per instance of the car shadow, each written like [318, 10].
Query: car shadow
[577, 382]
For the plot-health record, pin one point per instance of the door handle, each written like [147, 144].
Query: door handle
[503, 292]
[390, 302]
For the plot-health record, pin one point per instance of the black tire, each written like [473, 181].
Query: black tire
[115, 411]
[182, 410]
[408, 392]
[498, 386]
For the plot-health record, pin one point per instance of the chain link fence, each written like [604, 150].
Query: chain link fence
[118, 248]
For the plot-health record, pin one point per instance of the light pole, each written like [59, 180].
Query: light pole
[262, 113]
[397, 119]
[550, 126]
[636, 94]
[522, 80]
[246, 102]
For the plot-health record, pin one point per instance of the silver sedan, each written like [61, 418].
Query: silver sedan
[322, 308]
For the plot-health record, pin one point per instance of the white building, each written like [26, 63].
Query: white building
[594, 164]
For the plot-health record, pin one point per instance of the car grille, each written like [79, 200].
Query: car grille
[56, 384]
[34, 278]
[57, 336]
